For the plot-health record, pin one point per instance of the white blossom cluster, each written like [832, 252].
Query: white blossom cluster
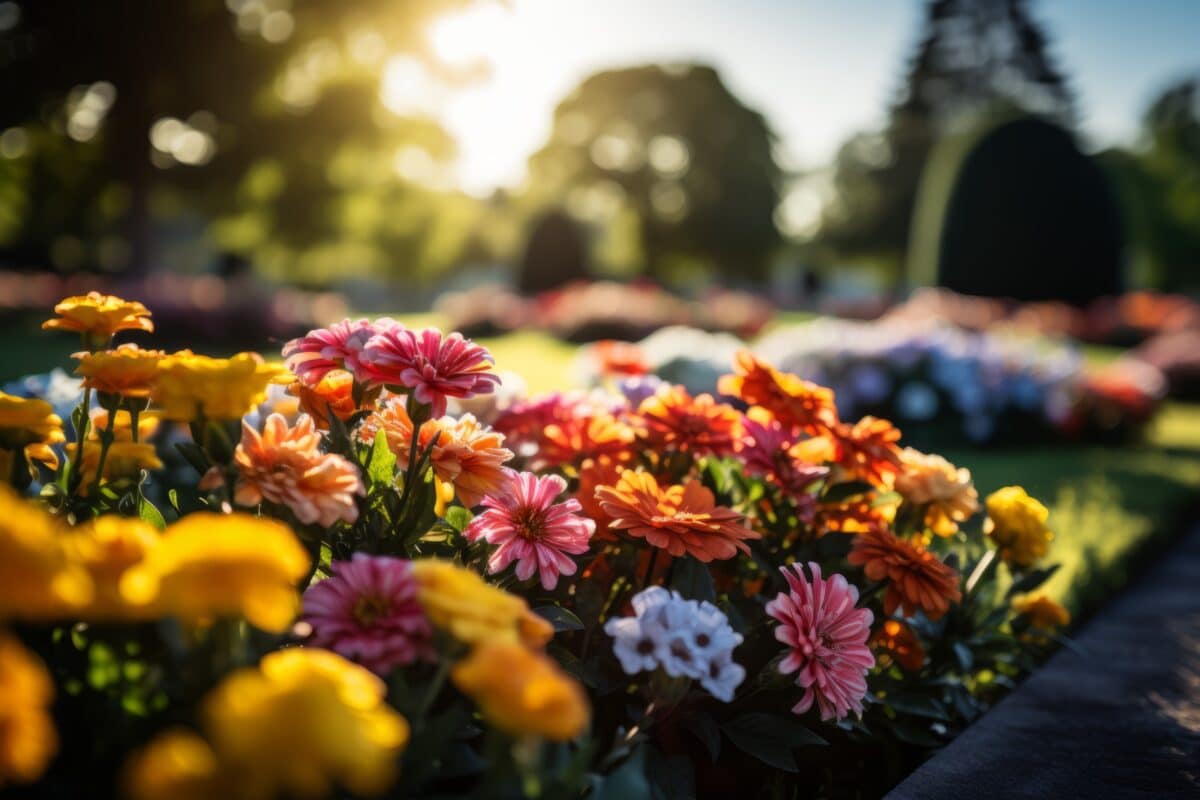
[687, 638]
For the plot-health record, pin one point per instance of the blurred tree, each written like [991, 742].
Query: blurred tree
[108, 103]
[974, 57]
[684, 153]
[1160, 189]
[555, 256]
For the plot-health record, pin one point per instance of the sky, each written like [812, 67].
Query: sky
[818, 69]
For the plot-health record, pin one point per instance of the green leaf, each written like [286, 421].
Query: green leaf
[770, 738]
[918, 705]
[149, 513]
[692, 579]
[1031, 580]
[627, 782]
[560, 618]
[966, 659]
[381, 464]
[173, 497]
[844, 491]
[705, 728]
[916, 734]
[458, 518]
[194, 454]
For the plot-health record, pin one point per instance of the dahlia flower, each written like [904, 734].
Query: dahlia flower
[672, 418]
[433, 366]
[916, 578]
[1016, 522]
[340, 346]
[793, 401]
[683, 520]
[98, 316]
[285, 465]
[368, 612]
[932, 481]
[334, 391]
[827, 635]
[526, 524]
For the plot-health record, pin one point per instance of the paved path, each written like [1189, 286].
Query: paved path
[1122, 721]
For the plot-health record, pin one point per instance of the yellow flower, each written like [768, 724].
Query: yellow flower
[1042, 612]
[522, 692]
[178, 765]
[27, 737]
[208, 565]
[99, 316]
[1017, 524]
[107, 547]
[474, 611]
[304, 720]
[37, 578]
[190, 386]
[128, 370]
[148, 424]
[30, 424]
[124, 460]
[932, 481]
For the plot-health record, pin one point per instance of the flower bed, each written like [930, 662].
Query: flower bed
[360, 585]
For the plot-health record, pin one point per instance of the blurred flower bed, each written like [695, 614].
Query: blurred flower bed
[591, 311]
[939, 382]
[354, 586]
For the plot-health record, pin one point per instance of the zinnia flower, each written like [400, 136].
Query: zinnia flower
[38, 579]
[588, 433]
[916, 578]
[29, 425]
[190, 386]
[128, 371]
[433, 366]
[526, 524]
[28, 740]
[932, 481]
[340, 347]
[683, 520]
[867, 449]
[593, 473]
[827, 635]
[107, 546]
[898, 642]
[98, 316]
[674, 419]
[460, 602]
[1041, 612]
[368, 612]
[285, 466]
[335, 391]
[793, 401]
[522, 692]
[767, 449]
[1017, 524]
[210, 565]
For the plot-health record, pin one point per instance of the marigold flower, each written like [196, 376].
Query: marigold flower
[522, 692]
[27, 737]
[827, 635]
[932, 481]
[367, 611]
[128, 370]
[1017, 524]
[433, 366]
[302, 722]
[1041, 612]
[176, 764]
[793, 401]
[867, 449]
[210, 565]
[107, 547]
[916, 578]
[674, 419]
[898, 642]
[38, 581]
[285, 466]
[338, 347]
[335, 391]
[30, 424]
[526, 524]
[125, 459]
[191, 386]
[683, 520]
[99, 316]
[459, 601]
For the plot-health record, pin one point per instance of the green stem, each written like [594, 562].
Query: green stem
[106, 439]
[74, 475]
[435, 688]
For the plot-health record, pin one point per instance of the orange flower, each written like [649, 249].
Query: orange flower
[468, 456]
[849, 516]
[594, 473]
[586, 436]
[1041, 612]
[99, 316]
[867, 449]
[285, 465]
[916, 578]
[674, 419]
[619, 358]
[683, 520]
[898, 641]
[334, 391]
[128, 370]
[148, 424]
[947, 491]
[793, 401]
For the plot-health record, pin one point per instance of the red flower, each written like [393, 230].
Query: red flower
[868, 449]
[672, 418]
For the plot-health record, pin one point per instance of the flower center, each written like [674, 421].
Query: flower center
[645, 646]
[370, 608]
[530, 523]
[702, 640]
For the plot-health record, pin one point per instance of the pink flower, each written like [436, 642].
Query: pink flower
[766, 448]
[531, 529]
[433, 366]
[828, 637]
[368, 612]
[339, 346]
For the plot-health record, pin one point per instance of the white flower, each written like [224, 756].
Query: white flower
[723, 676]
[711, 633]
[637, 647]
